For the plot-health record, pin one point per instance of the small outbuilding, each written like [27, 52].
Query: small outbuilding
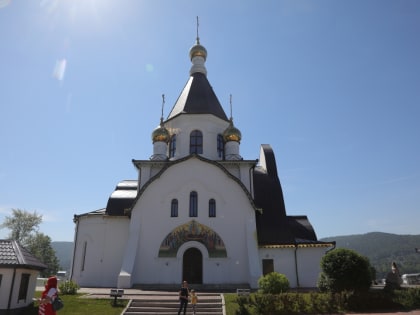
[19, 270]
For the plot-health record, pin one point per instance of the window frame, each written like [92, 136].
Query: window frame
[174, 208]
[24, 286]
[193, 209]
[196, 142]
[220, 146]
[82, 267]
[212, 208]
[172, 146]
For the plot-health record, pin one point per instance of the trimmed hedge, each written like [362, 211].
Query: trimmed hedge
[327, 302]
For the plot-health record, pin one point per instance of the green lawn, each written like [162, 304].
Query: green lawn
[77, 305]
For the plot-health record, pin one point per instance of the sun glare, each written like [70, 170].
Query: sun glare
[78, 11]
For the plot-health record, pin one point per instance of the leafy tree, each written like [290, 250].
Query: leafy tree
[40, 246]
[345, 269]
[273, 283]
[22, 225]
[24, 229]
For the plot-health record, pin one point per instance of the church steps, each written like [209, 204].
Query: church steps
[168, 304]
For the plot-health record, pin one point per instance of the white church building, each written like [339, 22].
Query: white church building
[198, 211]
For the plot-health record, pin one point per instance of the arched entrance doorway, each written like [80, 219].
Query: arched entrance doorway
[192, 266]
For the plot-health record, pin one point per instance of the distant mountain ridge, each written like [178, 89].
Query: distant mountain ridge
[64, 252]
[382, 249]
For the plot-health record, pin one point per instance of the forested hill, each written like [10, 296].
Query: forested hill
[63, 251]
[384, 248]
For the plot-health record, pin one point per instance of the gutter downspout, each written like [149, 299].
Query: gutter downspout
[76, 220]
[296, 267]
[334, 245]
[11, 291]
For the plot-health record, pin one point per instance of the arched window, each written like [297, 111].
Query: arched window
[196, 142]
[212, 208]
[172, 146]
[220, 146]
[174, 208]
[193, 204]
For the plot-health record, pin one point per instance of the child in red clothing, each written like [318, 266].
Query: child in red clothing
[48, 295]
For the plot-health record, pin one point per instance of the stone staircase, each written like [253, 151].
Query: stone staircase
[167, 303]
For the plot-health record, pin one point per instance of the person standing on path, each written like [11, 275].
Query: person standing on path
[184, 293]
[393, 278]
[47, 297]
[194, 300]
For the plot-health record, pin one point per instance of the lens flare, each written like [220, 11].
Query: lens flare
[60, 69]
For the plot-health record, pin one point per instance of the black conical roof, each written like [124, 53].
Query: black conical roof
[198, 97]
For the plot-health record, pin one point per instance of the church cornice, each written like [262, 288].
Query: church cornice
[310, 244]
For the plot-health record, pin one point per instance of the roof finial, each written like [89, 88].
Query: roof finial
[163, 104]
[230, 101]
[198, 38]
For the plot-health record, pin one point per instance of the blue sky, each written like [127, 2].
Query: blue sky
[332, 86]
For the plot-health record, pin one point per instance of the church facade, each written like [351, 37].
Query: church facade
[198, 211]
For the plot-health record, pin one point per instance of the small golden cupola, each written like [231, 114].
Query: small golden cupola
[160, 139]
[232, 133]
[161, 134]
[198, 50]
[232, 138]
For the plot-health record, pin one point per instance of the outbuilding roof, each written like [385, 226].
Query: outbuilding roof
[13, 255]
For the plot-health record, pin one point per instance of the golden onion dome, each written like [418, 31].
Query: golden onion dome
[232, 133]
[198, 50]
[160, 134]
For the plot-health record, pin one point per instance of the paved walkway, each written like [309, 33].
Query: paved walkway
[417, 312]
[136, 294]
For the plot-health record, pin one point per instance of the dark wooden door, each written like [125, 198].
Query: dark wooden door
[192, 268]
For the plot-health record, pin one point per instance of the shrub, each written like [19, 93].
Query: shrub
[68, 287]
[325, 303]
[291, 303]
[243, 304]
[273, 283]
[265, 304]
[345, 270]
[408, 298]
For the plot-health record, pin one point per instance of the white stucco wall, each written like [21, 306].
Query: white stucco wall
[307, 263]
[105, 238]
[151, 216]
[209, 125]
[309, 260]
[6, 284]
